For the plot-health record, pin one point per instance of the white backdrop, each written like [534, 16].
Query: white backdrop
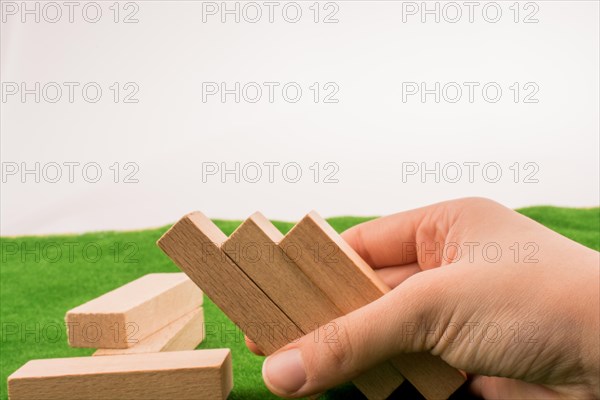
[369, 129]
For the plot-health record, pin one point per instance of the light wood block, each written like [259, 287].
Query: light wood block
[123, 317]
[332, 264]
[253, 247]
[350, 283]
[185, 333]
[194, 244]
[199, 374]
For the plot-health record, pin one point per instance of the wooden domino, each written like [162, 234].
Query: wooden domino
[300, 281]
[185, 333]
[350, 283]
[253, 247]
[199, 374]
[123, 317]
[194, 244]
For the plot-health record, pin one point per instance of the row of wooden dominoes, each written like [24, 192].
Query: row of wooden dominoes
[137, 329]
[288, 285]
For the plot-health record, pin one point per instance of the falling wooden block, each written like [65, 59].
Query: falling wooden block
[194, 244]
[199, 374]
[253, 247]
[332, 264]
[350, 283]
[125, 316]
[185, 333]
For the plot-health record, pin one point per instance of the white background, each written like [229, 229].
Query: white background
[368, 134]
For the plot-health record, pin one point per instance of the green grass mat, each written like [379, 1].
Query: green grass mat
[43, 277]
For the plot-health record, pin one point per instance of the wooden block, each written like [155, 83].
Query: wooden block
[350, 283]
[194, 244]
[185, 333]
[199, 374]
[431, 375]
[253, 247]
[332, 264]
[123, 317]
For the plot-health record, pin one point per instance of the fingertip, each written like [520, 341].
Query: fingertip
[253, 347]
[284, 373]
[349, 235]
[475, 386]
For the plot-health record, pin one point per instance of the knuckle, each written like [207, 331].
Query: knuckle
[479, 202]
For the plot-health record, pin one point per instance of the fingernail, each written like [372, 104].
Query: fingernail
[284, 372]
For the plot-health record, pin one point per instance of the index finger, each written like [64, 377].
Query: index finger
[392, 240]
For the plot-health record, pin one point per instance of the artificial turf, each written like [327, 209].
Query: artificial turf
[43, 277]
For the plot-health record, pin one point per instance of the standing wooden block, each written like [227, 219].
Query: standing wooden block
[200, 374]
[253, 247]
[185, 333]
[350, 283]
[123, 317]
[194, 244]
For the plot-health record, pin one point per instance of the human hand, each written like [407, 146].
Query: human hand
[492, 292]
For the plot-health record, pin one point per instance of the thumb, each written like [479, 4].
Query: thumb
[347, 346]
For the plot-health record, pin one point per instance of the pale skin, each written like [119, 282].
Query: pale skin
[521, 323]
